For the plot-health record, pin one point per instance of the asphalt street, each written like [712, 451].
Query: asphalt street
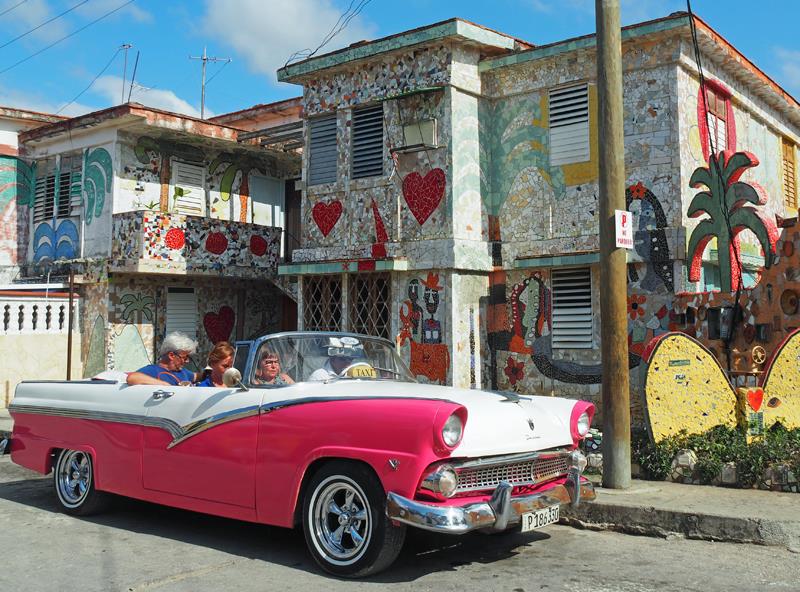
[143, 547]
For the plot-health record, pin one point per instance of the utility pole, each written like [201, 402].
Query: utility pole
[613, 260]
[205, 59]
[125, 47]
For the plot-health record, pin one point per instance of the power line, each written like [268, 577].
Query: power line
[39, 26]
[339, 26]
[76, 97]
[65, 37]
[13, 7]
[220, 69]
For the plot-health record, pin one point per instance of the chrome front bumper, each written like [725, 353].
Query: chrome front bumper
[498, 513]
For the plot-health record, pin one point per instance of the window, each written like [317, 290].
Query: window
[569, 124]
[322, 156]
[368, 142]
[789, 174]
[189, 195]
[369, 304]
[182, 311]
[572, 308]
[322, 303]
[58, 189]
[717, 117]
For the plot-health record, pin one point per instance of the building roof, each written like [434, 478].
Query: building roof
[284, 107]
[130, 113]
[27, 115]
[454, 28]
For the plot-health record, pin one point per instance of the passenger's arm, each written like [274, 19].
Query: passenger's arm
[142, 378]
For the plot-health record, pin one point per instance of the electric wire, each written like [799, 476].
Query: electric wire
[76, 97]
[65, 37]
[220, 69]
[338, 27]
[724, 208]
[39, 26]
[7, 10]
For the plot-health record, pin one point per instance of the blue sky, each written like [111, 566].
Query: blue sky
[259, 36]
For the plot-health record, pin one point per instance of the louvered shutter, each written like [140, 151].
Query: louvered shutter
[368, 142]
[789, 175]
[44, 199]
[182, 311]
[322, 157]
[190, 193]
[569, 125]
[572, 308]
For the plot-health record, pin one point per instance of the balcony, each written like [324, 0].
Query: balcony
[156, 242]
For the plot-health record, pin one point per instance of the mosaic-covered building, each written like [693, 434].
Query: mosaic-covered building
[450, 200]
[165, 222]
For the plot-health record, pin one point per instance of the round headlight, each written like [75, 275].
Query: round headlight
[452, 430]
[583, 424]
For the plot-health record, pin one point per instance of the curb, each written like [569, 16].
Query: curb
[651, 521]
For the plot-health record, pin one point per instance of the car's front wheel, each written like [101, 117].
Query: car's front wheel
[73, 480]
[345, 523]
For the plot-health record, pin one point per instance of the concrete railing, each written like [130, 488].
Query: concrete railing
[35, 314]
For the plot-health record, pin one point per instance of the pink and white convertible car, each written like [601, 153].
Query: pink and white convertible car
[354, 454]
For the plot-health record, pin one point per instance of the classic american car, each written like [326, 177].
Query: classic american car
[354, 451]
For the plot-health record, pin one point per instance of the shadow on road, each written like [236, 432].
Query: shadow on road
[422, 554]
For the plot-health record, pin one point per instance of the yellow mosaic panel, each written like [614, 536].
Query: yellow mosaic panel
[686, 389]
[782, 385]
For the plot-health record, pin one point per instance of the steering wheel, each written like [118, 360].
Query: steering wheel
[759, 354]
[359, 370]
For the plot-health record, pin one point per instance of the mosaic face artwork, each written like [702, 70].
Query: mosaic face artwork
[650, 240]
[423, 194]
[421, 328]
[326, 215]
[721, 177]
[55, 240]
[686, 388]
[97, 177]
[219, 325]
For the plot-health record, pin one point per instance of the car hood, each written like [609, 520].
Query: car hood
[497, 422]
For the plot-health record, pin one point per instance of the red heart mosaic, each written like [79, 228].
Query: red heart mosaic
[216, 243]
[423, 194]
[219, 325]
[754, 398]
[258, 245]
[380, 230]
[326, 215]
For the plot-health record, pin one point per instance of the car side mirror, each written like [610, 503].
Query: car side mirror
[233, 378]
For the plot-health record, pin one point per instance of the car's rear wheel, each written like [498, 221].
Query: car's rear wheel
[73, 480]
[345, 523]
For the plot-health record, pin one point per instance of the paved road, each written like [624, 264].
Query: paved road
[142, 547]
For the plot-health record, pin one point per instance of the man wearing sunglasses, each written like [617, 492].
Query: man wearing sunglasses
[173, 356]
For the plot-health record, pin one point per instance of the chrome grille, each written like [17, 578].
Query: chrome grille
[527, 472]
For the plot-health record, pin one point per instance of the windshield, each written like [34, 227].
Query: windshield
[318, 357]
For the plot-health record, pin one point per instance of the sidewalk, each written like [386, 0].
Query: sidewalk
[661, 508]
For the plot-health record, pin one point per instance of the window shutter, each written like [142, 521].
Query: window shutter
[368, 142]
[182, 311]
[569, 124]
[322, 150]
[190, 193]
[789, 175]
[44, 200]
[572, 308]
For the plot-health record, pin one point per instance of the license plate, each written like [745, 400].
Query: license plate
[539, 518]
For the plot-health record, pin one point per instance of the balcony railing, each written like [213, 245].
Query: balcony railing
[156, 242]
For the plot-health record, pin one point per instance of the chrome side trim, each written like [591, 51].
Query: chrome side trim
[274, 406]
[128, 418]
[202, 425]
[498, 513]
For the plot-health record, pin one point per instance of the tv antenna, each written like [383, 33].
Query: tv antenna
[124, 47]
[206, 59]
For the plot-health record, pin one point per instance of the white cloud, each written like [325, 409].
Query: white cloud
[32, 14]
[35, 102]
[789, 67]
[265, 35]
[97, 8]
[110, 87]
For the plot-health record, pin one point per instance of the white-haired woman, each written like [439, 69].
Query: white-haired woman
[172, 357]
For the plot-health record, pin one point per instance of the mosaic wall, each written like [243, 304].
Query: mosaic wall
[17, 180]
[96, 194]
[145, 175]
[149, 241]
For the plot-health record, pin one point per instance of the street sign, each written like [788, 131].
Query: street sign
[624, 229]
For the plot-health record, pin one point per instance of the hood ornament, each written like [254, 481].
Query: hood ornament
[530, 424]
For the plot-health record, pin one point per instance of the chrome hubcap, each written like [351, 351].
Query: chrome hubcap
[342, 521]
[73, 477]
